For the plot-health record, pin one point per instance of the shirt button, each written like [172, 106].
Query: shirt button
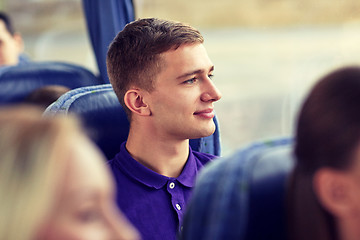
[178, 207]
[172, 185]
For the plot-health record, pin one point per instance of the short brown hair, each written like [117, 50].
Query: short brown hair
[133, 58]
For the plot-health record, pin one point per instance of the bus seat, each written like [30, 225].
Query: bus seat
[17, 82]
[242, 196]
[106, 121]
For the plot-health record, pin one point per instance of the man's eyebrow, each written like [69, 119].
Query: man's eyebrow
[194, 72]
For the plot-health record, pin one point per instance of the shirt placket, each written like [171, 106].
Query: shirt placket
[177, 198]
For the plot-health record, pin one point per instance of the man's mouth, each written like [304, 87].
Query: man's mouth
[206, 113]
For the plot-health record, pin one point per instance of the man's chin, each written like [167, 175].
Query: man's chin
[203, 133]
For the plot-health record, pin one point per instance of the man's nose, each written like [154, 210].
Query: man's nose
[211, 92]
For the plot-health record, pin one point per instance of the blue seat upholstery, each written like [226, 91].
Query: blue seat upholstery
[242, 196]
[17, 82]
[106, 120]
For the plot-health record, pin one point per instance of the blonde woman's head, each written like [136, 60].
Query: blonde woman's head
[53, 181]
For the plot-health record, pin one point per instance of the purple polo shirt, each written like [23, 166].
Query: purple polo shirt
[154, 203]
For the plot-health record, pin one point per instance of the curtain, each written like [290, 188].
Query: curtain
[105, 18]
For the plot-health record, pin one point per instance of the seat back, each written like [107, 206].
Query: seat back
[17, 82]
[242, 196]
[106, 121]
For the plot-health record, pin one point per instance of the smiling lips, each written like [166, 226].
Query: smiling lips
[207, 113]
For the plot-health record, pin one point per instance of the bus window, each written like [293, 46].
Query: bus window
[52, 30]
[267, 53]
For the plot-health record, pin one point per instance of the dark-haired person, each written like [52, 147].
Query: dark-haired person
[11, 43]
[324, 195]
[161, 74]
[46, 95]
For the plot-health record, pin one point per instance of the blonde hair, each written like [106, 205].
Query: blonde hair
[30, 163]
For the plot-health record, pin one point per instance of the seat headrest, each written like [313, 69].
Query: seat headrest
[242, 196]
[17, 82]
[269, 169]
[106, 120]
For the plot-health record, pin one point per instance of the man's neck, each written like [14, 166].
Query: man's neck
[164, 156]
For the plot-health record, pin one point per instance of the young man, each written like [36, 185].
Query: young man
[161, 74]
[11, 43]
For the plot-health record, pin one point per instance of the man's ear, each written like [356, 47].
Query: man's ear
[333, 191]
[134, 100]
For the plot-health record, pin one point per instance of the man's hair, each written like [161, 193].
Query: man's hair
[8, 24]
[134, 56]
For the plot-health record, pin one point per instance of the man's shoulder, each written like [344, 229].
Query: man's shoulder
[119, 157]
[120, 168]
[122, 152]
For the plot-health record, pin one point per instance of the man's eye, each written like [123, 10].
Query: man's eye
[211, 76]
[191, 81]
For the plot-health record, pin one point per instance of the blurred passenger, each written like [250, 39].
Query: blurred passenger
[53, 182]
[11, 43]
[161, 74]
[44, 96]
[324, 197]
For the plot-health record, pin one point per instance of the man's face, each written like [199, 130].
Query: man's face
[182, 103]
[10, 46]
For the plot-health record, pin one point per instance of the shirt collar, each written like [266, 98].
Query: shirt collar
[189, 172]
[146, 176]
